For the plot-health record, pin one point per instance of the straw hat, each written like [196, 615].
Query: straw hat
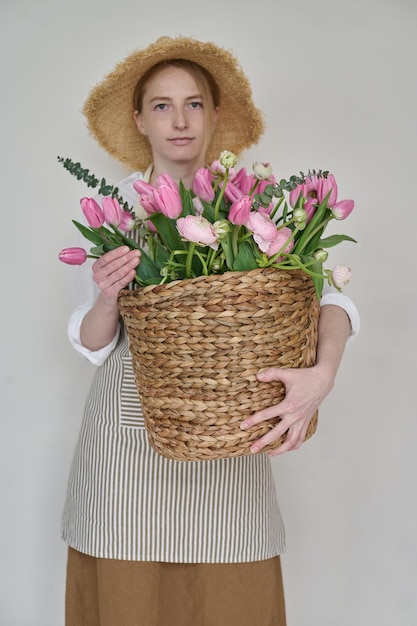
[109, 106]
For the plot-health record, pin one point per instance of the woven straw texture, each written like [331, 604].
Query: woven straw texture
[197, 346]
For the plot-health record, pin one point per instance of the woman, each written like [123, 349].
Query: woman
[154, 541]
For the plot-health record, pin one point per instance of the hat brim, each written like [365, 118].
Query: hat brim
[109, 106]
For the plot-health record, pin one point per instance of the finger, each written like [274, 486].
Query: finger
[272, 374]
[295, 438]
[116, 268]
[274, 435]
[261, 416]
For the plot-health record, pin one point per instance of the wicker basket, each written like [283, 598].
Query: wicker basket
[197, 346]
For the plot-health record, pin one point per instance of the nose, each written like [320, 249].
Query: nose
[180, 120]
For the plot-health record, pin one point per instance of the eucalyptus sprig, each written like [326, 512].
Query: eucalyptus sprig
[104, 189]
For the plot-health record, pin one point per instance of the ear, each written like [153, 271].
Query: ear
[139, 123]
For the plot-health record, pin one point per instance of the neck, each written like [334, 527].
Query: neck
[178, 171]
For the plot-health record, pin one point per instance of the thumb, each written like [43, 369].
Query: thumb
[271, 374]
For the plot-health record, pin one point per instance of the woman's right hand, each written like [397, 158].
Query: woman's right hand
[111, 273]
[115, 270]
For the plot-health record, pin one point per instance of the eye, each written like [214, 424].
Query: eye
[196, 104]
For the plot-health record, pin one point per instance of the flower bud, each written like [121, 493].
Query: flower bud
[300, 218]
[341, 276]
[92, 211]
[222, 228]
[240, 210]
[321, 255]
[111, 209]
[228, 159]
[127, 222]
[343, 209]
[73, 256]
[202, 184]
[262, 171]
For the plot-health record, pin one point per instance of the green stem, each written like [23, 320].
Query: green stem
[189, 260]
[303, 242]
[211, 257]
[220, 196]
[235, 238]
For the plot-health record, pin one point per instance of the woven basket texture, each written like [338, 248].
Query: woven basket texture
[197, 346]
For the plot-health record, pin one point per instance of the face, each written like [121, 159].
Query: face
[176, 119]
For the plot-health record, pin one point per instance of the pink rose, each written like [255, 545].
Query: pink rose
[199, 230]
[264, 230]
[282, 236]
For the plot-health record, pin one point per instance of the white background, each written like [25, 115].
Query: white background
[337, 83]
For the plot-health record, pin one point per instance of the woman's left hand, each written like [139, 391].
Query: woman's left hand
[305, 390]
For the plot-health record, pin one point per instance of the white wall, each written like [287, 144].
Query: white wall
[337, 83]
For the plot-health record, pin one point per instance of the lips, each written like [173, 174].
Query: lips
[181, 141]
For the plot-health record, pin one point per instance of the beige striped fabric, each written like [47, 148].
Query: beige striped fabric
[124, 501]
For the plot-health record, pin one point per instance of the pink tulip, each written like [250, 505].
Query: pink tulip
[295, 195]
[168, 201]
[147, 202]
[264, 230]
[127, 222]
[73, 256]
[166, 179]
[198, 205]
[143, 187]
[240, 209]
[264, 183]
[310, 203]
[112, 211]
[312, 186]
[325, 186]
[92, 211]
[244, 181]
[198, 229]
[280, 240]
[232, 192]
[341, 276]
[343, 209]
[202, 184]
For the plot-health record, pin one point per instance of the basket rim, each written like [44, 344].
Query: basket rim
[213, 277]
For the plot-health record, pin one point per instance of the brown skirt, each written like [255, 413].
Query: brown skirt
[107, 592]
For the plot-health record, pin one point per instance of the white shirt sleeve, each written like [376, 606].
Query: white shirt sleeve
[85, 291]
[330, 295]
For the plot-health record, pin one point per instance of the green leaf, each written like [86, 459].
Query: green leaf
[333, 240]
[89, 233]
[147, 272]
[226, 245]
[318, 217]
[186, 201]
[245, 259]
[98, 250]
[167, 231]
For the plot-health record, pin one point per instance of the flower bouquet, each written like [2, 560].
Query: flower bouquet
[229, 283]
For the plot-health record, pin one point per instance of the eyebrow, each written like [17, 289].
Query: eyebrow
[166, 98]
